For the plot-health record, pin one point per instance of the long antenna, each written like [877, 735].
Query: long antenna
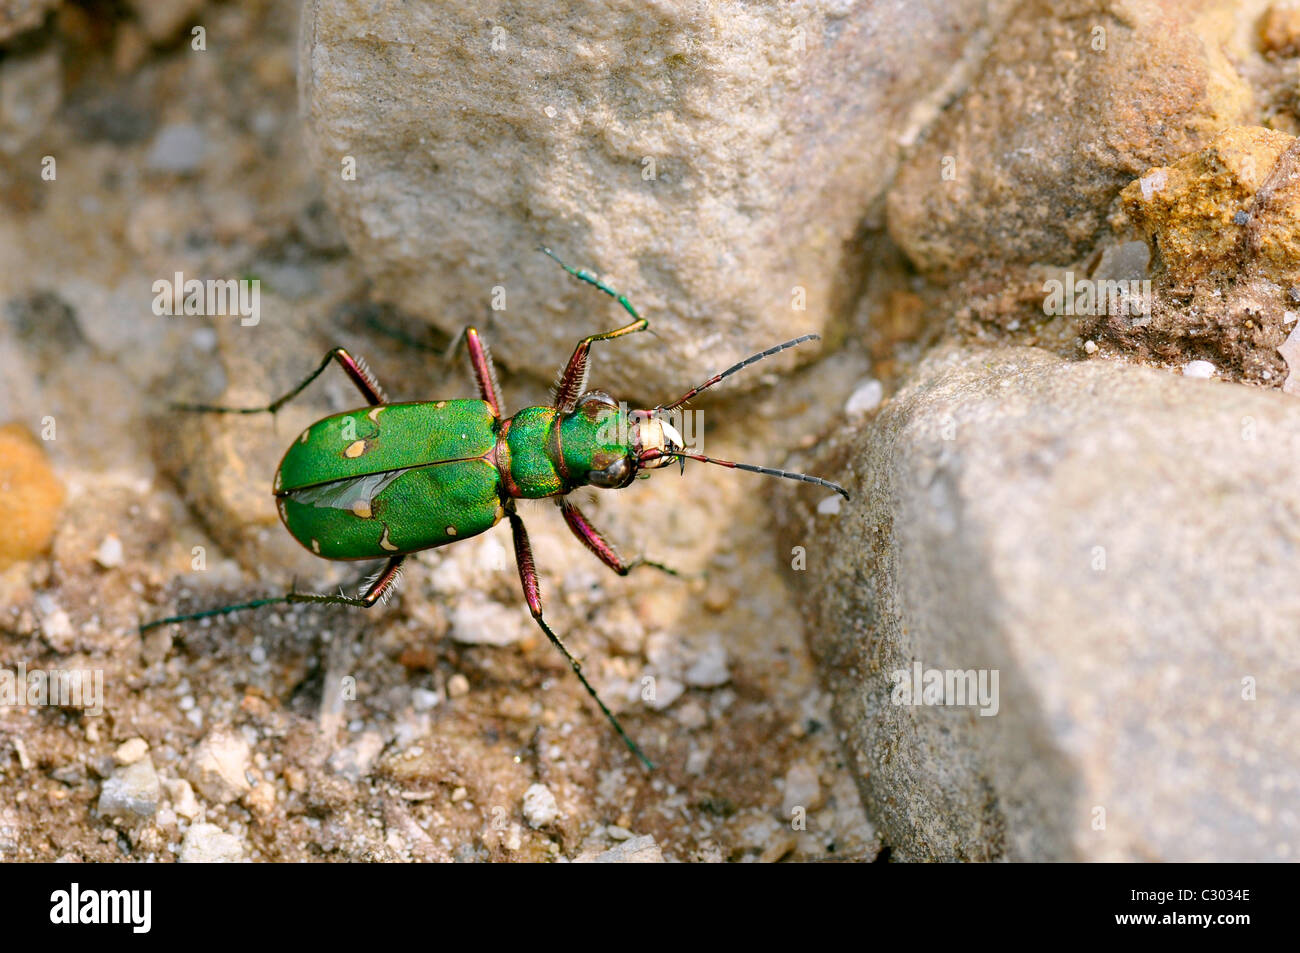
[752, 359]
[766, 471]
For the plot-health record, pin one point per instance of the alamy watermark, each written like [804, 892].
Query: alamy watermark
[60, 688]
[946, 686]
[1090, 298]
[216, 297]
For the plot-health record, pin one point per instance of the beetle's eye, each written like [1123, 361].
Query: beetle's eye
[614, 476]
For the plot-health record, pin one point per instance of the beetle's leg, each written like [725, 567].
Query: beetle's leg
[485, 372]
[355, 368]
[593, 540]
[533, 596]
[382, 582]
[573, 380]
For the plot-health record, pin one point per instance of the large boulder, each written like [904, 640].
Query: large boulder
[1118, 545]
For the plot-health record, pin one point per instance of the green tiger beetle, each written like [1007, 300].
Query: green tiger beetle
[391, 479]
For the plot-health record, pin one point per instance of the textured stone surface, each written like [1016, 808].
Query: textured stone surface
[1234, 202]
[17, 16]
[1119, 544]
[479, 133]
[1025, 167]
[1225, 227]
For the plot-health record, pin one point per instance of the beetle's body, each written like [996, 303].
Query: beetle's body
[393, 479]
[388, 480]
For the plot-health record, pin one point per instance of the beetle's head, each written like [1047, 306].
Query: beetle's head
[619, 443]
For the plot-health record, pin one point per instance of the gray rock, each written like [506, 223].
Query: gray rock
[1118, 544]
[131, 790]
[219, 765]
[635, 850]
[177, 148]
[614, 139]
[209, 844]
[31, 89]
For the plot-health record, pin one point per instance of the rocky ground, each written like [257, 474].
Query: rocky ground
[1045, 489]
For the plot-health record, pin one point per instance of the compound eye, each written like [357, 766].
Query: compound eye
[617, 474]
[596, 403]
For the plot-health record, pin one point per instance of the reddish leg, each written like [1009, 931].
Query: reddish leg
[574, 379]
[593, 540]
[354, 367]
[533, 595]
[485, 372]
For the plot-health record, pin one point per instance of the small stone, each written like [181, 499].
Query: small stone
[131, 751]
[540, 808]
[457, 686]
[865, 399]
[1090, 347]
[355, 760]
[1279, 30]
[219, 766]
[459, 794]
[635, 850]
[109, 554]
[131, 790]
[709, 668]
[666, 691]
[831, 505]
[209, 844]
[261, 800]
[1201, 370]
[184, 803]
[177, 148]
[614, 832]
[31, 496]
[479, 621]
[57, 629]
[423, 700]
[802, 789]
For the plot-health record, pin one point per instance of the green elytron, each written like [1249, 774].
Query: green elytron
[388, 480]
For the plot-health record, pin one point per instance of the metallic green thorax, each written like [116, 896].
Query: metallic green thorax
[398, 478]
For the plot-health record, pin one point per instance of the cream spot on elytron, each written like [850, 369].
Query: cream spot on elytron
[451, 531]
[315, 546]
[361, 508]
[440, 404]
[383, 541]
[373, 416]
[305, 434]
[355, 449]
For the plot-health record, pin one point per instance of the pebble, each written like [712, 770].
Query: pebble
[422, 699]
[177, 148]
[540, 808]
[209, 844]
[831, 505]
[109, 554]
[131, 790]
[802, 789]
[131, 751]
[865, 398]
[31, 496]
[1090, 347]
[1201, 370]
[219, 766]
[457, 686]
[709, 668]
[356, 759]
[635, 850]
